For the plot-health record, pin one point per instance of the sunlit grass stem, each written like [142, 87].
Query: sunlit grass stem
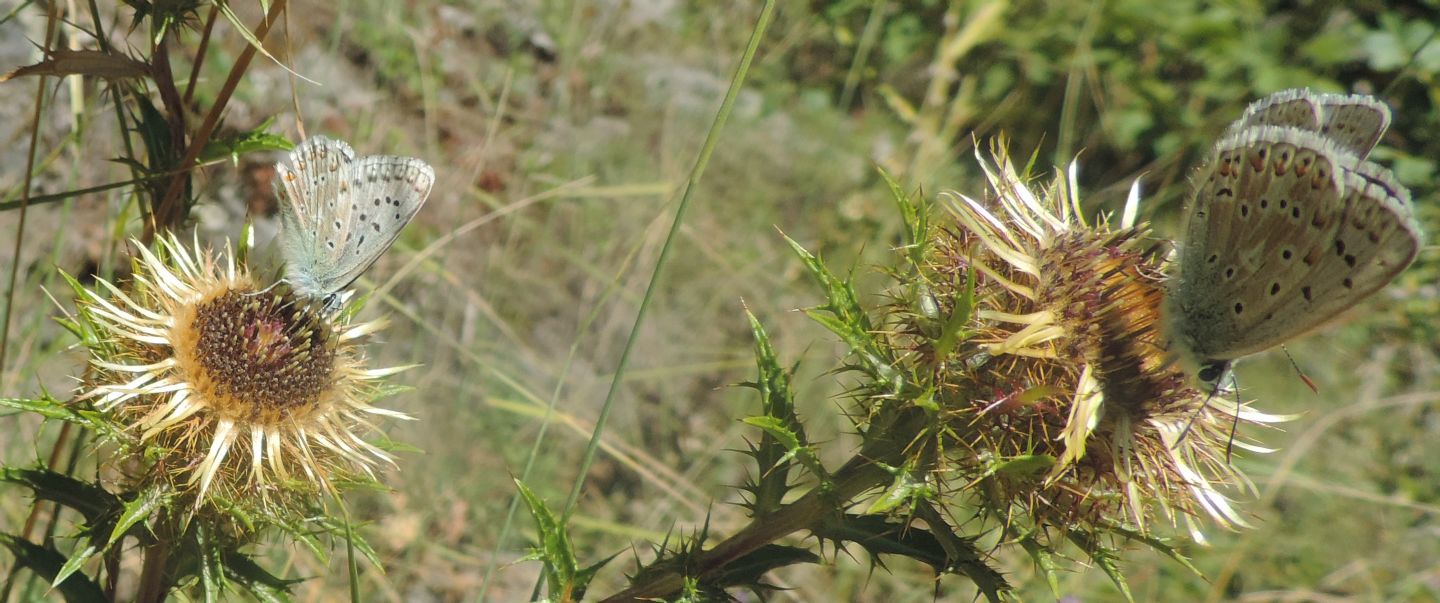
[697, 171]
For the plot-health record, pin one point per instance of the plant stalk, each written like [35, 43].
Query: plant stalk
[887, 446]
[810, 511]
[212, 119]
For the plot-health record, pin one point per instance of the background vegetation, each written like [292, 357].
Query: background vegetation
[560, 132]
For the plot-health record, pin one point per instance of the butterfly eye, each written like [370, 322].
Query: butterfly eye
[1212, 371]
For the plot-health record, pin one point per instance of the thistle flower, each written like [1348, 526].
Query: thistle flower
[1069, 362]
[230, 389]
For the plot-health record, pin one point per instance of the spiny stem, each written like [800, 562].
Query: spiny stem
[153, 585]
[864, 472]
[817, 506]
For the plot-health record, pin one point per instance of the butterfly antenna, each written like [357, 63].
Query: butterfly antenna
[1235, 422]
[1298, 371]
[1196, 415]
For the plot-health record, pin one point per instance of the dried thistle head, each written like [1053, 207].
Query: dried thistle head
[1063, 399]
[227, 390]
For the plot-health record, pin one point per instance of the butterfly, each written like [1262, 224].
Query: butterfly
[1289, 225]
[339, 212]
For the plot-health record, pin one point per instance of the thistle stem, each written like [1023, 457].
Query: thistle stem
[153, 585]
[866, 471]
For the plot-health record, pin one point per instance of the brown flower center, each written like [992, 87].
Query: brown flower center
[265, 356]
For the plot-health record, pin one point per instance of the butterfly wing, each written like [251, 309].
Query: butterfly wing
[1287, 229]
[1295, 108]
[377, 197]
[312, 185]
[1354, 122]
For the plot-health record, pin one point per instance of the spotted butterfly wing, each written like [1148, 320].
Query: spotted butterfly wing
[339, 212]
[1354, 122]
[1286, 230]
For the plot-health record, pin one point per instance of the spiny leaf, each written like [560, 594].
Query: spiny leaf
[77, 560]
[878, 536]
[154, 131]
[1020, 465]
[1159, 545]
[772, 457]
[136, 511]
[915, 212]
[337, 527]
[749, 570]
[233, 145]
[1044, 560]
[1103, 557]
[954, 330]
[564, 578]
[46, 562]
[51, 408]
[843, 315]
[267, 587]
[963, 557]
[212, 569]
[908, 485]
[92, 63]
[795, 447]
[90, 500]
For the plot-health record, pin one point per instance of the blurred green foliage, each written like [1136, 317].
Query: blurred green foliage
[1150, 83]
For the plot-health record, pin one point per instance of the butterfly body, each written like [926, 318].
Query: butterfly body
[339, 212]
[1288, 227]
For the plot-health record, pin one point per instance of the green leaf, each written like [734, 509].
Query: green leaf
[563, 576]
[1107, 560]
[51, 408]
[1159, 545]
[795, 448]
[751, 569]
[267, 587]
[47, 562]
[908, 485]
[211, 560]
[777, 401]
[89, 500]
[1020, 465]
[954, 330]
[843, 315]
[75, 562]
[879, 536]
[1044, 560]
[136, 511]
[233, 145]
[915, 212]
[341, 528]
